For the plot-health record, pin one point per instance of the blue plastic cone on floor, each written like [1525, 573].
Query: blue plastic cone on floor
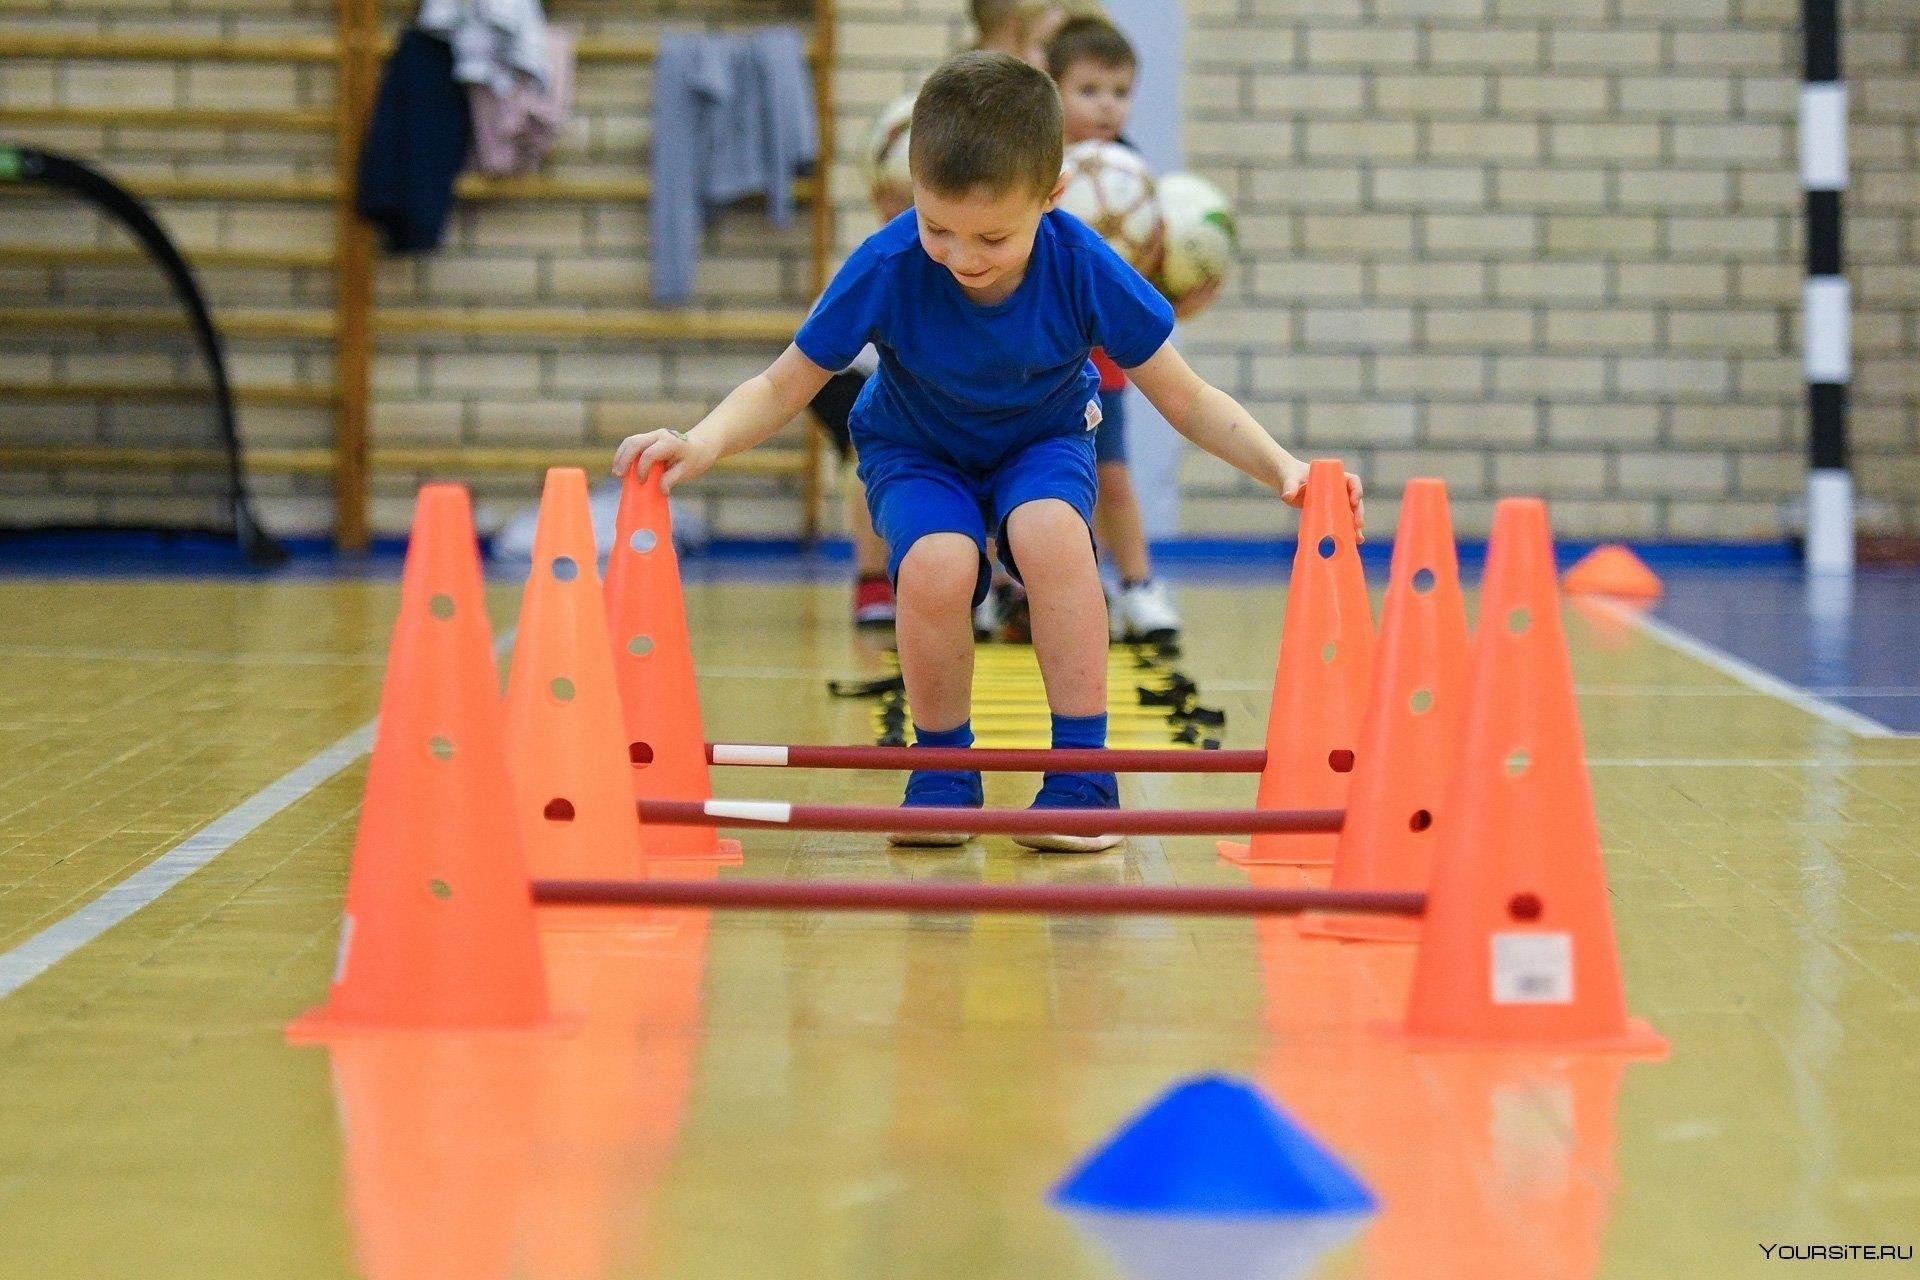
[1214, 1147]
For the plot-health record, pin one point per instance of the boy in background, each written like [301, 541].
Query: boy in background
[983, 302]
[1094, 66]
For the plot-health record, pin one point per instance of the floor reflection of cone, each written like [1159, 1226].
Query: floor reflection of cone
[1320, 681]
[653, 668]
[1397, 806]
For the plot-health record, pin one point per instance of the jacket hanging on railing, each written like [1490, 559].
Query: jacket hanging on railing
[514, 131]
[415, 146]
[493, 40]
[733, 116]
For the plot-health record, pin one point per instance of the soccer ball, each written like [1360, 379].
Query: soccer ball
[889, 181]
[1110, 188]
[1201, 239]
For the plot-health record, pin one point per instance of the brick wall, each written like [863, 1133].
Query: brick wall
[1529, 245]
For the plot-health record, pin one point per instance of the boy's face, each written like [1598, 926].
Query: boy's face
[1026, 36]
[984, 238]
[1096, 99]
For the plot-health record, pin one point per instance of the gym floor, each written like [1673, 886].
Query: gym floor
[840, 1095]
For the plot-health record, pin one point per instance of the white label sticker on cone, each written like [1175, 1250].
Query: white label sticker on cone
[346, 943]
[1533, 968]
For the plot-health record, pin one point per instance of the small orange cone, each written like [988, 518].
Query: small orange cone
[1518, 950]
[1320, 681]
[439, 930]
[1397, 806]
[566, 745]
[1612, 570]
[653, 669]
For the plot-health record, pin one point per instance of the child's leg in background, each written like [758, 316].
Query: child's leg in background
[1142, 609]
[1116, 518]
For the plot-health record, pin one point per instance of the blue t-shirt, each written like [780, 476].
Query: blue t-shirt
[971, 383]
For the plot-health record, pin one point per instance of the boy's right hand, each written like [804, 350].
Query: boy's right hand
[683, 457]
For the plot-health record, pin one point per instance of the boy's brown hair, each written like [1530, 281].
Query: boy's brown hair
[986, 120]
[1088, 40]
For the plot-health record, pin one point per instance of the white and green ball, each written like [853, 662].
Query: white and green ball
[1202, 241]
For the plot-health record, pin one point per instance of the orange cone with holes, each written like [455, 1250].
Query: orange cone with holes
[653, 669]
[1613, 570]
[439, 931]
[1411, 730]
[566, 745]
[1320, 684]
[1518, 949]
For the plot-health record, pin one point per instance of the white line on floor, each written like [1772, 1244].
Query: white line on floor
[27, 961]
[1753, 677]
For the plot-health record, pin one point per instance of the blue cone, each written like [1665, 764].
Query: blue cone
[1214, 1147]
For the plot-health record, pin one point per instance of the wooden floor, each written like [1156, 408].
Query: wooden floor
[870, 1096]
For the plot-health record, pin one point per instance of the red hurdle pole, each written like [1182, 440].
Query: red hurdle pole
[1055, 899]
[1013, 822]
[990, 759]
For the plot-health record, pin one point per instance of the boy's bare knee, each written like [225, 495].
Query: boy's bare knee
[1048, 533]
[939, 569]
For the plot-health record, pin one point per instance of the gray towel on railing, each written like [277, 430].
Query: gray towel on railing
[733, 116]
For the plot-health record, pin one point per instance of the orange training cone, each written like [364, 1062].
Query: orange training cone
[1518, 949]
[1612, 570]
[439, 930]
[566, 745]
[1411, 730]
[653, 668]
[1320, 683]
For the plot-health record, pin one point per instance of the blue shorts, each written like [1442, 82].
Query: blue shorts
[912, 494]
[1110, 441]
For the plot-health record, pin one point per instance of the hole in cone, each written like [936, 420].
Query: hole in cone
[442, 748]
[1518, 620]
[1421, 701]
[1420, 820]
[640, 646]
[440, 889]
[1517, 764]
[643, 541]
[640, 754]
[1327, 547]
[441, 606]
[1423, 581]
[565, 568]
[558, 810]
[562, 688]
[1525, 906]
[1329, 651]
[1340, 760]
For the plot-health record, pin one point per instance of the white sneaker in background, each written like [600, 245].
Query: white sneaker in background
[1147, 613]
[986, 617]
[1116, 621]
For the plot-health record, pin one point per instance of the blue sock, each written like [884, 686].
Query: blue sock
[1079, 731]
[944, 786]
[961, 735]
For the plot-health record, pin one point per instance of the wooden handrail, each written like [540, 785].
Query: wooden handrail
[291, 121]
[283, 397]
[105, 45]
[243, 322]
[449, 459]
[627, 323]
[322, 188]
[34, 255]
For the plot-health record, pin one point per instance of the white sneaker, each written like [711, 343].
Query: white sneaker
[986, 618]
[1147, 613]
[1116, 621]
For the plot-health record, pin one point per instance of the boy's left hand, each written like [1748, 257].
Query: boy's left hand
[1293, 492]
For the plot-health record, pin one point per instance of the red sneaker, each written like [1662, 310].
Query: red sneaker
[872, 601]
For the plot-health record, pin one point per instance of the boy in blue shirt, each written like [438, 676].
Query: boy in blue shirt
[984, 301]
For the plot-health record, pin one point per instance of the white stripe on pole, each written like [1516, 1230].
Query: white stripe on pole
[750, 810]
[1823, 136]
[748, 753]
[1830, 520]
[1828, 338]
